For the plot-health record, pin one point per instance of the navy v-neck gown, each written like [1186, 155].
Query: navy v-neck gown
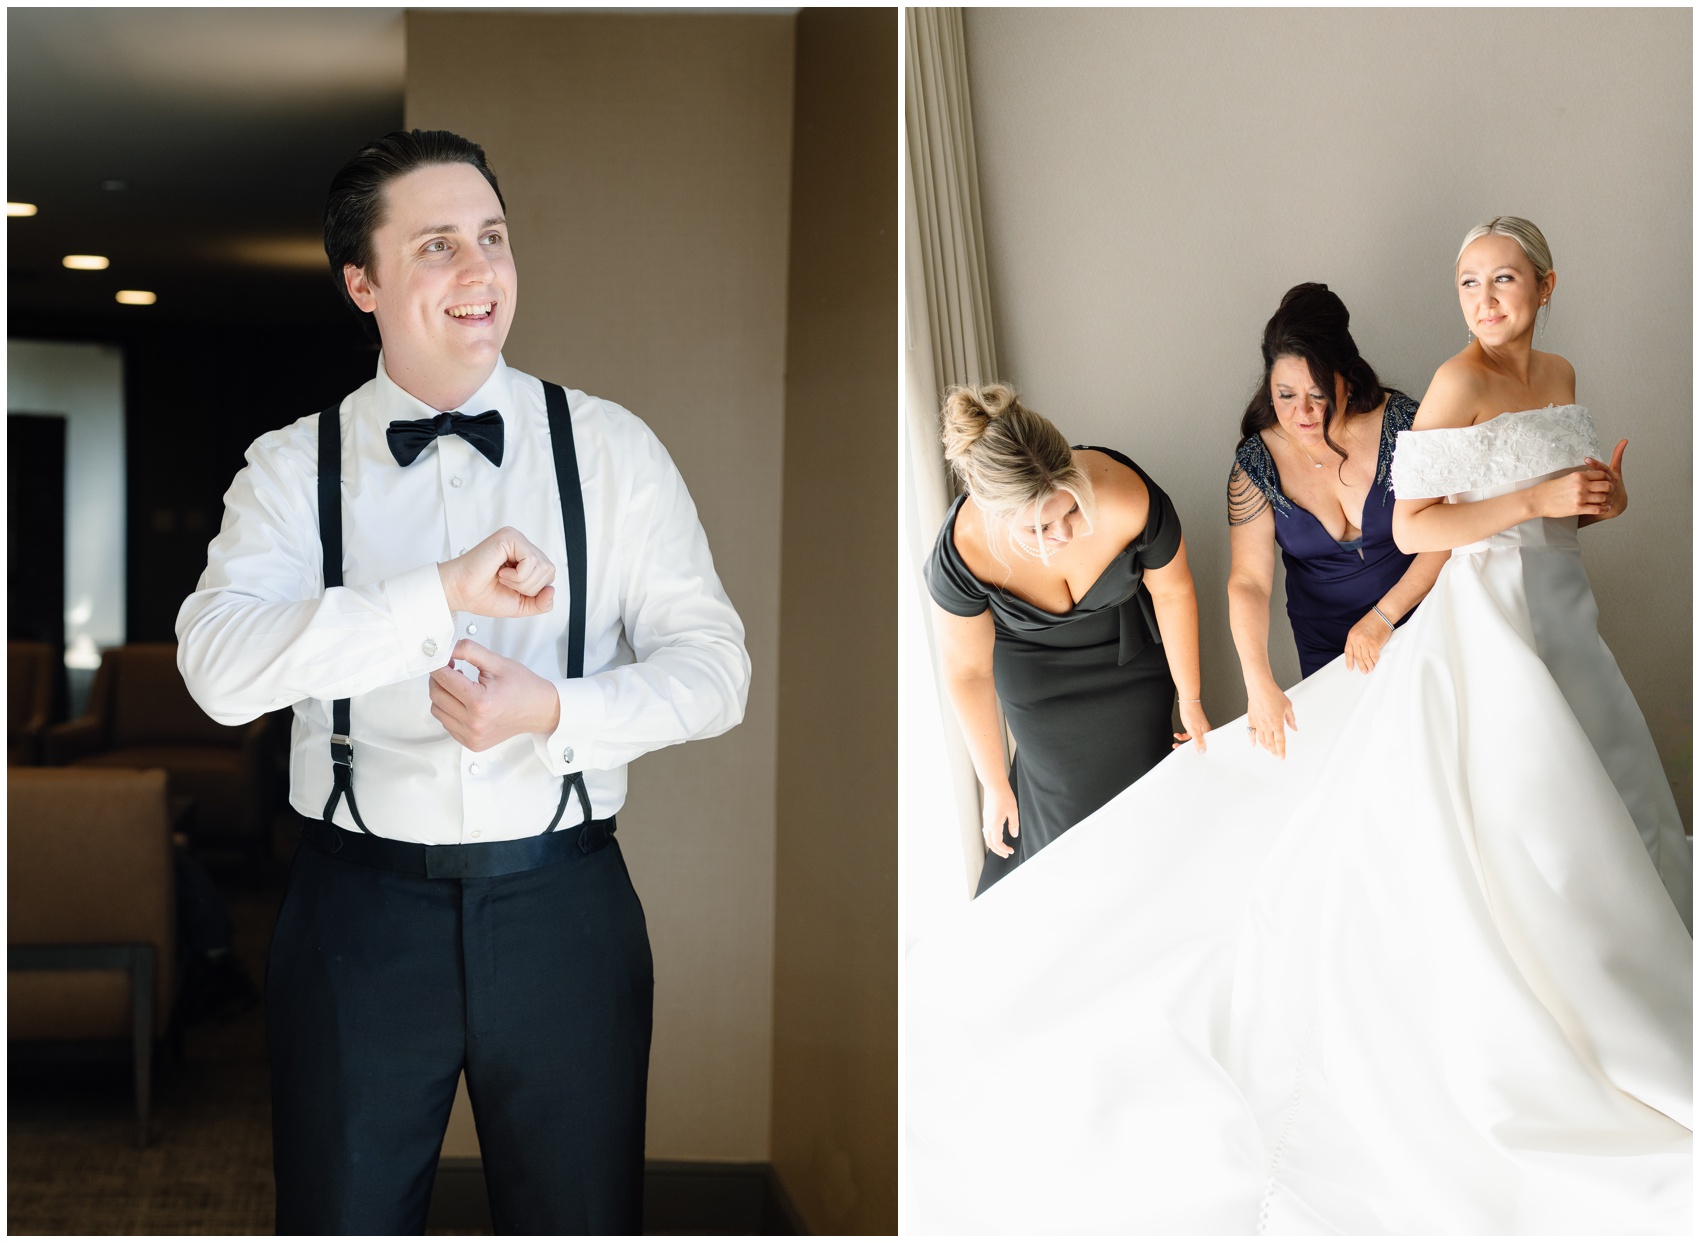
[1087, 693]
[1332, 584]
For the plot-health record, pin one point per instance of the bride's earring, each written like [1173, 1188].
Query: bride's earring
[1469, 337]
[1541, 318]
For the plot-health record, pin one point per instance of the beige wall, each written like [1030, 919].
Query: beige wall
[645, 159]
[835, 971]
[1153, 180]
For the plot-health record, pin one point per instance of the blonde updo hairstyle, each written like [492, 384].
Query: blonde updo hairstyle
[1010, 460]
[1525, 233]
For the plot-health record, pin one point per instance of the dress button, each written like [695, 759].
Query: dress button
[473, 769]
[455, 483]
[567, 756]
[472, 628]
[429, 647]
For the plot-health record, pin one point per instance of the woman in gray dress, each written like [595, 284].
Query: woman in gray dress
[1063, 593]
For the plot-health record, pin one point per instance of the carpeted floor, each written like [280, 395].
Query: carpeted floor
[72, 1166]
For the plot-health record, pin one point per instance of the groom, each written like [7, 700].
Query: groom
[484, 596]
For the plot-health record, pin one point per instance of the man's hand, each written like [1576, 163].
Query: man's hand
[507, 699]
[505, 576]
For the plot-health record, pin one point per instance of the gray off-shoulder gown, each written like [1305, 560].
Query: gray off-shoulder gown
[1087, 693]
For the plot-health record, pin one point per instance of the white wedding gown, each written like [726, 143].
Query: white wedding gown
[1426, 975]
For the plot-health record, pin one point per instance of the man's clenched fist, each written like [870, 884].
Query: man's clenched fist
[505, 576]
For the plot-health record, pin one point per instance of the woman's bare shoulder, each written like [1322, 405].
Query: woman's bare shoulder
[968, 528]
[1558, 377]
[1454, 396]
[1120, 494]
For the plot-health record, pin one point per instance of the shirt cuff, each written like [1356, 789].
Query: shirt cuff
[583, 711]
[423, 622]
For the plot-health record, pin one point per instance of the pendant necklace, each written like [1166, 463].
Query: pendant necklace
[1294, 442]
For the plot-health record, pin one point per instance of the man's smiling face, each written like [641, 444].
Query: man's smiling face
[441, 284]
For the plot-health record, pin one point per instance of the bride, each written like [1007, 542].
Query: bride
[1430, 973]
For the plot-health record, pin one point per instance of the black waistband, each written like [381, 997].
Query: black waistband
[463, 862]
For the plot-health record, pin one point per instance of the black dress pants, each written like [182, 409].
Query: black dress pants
[381, 987]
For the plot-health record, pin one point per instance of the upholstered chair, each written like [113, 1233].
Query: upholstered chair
[29, 698]
[90, 910]
[140, 715]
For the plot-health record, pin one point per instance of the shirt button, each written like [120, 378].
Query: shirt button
[567, 756]
[472, 628]
[473, 769]
[455, 483]
[429, 647]
[477, 833]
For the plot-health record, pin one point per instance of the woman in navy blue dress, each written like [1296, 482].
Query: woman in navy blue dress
[1312, 474]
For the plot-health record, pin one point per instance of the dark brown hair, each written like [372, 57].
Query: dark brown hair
[1311, 324]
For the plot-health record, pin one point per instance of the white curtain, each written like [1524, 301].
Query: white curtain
[948, 340]
[945, 199]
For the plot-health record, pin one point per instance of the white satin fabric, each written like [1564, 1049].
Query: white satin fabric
[1423, 976]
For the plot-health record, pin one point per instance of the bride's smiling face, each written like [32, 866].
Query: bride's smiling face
[1499, 291]
[1298, 400]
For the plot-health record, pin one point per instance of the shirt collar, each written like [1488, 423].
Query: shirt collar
[391, 401]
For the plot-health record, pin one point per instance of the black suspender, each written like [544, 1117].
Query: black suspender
[578, 573]
[330, 541]
[572, 520]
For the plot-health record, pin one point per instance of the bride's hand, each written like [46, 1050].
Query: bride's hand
[1195, 723]
[1365, 640]
[1000, 808]
[1584, 493]
[1619, 500]
[1267, 710]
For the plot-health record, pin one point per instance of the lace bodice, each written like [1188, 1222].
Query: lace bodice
[1513, 447]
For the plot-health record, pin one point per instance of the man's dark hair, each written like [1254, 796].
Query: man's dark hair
[355, 206]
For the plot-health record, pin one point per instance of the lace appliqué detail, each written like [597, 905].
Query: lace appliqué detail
[1524, 444]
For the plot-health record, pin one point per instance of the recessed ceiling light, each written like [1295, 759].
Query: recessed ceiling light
[86, 263]
[137, 297]
[305, 252]
[20, 209]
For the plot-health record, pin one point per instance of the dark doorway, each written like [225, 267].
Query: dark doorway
[35, 536]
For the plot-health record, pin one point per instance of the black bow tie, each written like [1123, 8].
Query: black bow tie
[408, 437]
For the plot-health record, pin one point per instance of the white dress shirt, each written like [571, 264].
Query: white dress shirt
[664, 653]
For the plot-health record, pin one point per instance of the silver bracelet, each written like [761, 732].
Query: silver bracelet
[1376, 609]
[1190, 701]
